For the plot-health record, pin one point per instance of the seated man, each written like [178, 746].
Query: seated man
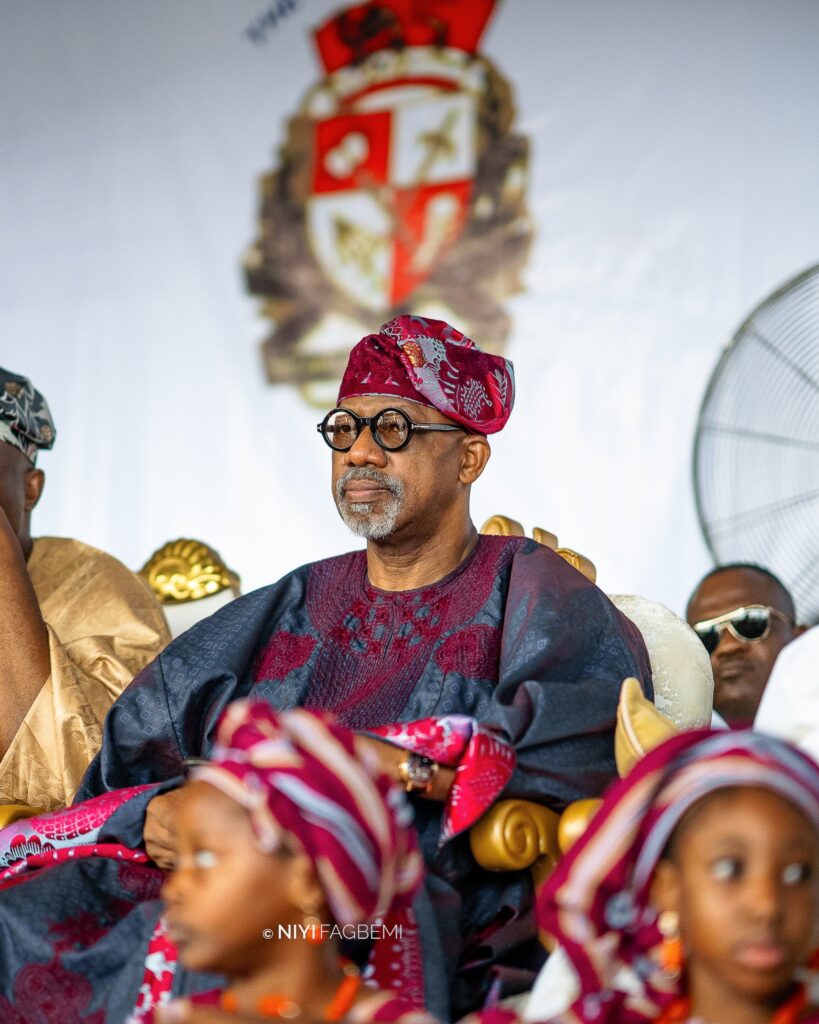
[75, 625]
[431, 623]
[745, 616]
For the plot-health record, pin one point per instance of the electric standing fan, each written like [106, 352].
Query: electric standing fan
[756, 450]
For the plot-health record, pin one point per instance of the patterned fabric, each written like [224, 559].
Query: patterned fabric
[596, 904]
[25, 420]
[483, 764]
[299, 776]
[104, 626]
[385, 642]
[49, 988]
[515, 639]
[161, 962]
[428, 361]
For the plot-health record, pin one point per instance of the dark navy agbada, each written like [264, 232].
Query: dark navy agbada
[515, 637]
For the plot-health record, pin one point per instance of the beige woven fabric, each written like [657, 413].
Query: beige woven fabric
[104, 626]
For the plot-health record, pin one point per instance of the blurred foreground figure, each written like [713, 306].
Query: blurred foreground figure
[745, 616]
[469, 666]
[693, 896]
[289, 840]
[75, 625]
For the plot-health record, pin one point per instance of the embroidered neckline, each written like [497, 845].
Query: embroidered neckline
[440, 586]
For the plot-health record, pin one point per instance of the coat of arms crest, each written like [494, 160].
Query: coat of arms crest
[400, 185]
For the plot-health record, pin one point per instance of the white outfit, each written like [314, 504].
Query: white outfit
[790, 704]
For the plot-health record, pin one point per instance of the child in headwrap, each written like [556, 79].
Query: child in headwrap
[694, 894]
[288, 842]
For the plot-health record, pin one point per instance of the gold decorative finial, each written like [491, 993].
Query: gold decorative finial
[187, 570]
[503, 526]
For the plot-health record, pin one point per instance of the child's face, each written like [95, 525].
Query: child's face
[743, 879]
[223, 892]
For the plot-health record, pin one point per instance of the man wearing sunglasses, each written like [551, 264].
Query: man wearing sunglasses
[744, 616]
[471, 665]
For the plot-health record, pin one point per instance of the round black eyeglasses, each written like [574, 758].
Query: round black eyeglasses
[392, 429]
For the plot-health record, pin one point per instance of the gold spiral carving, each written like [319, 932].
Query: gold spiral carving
[502, 526]
[544, 537]
[580, 562]
[187, 570]
[575, 820]
[514, 834]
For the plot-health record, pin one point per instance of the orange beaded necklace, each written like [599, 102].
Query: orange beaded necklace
[275, 1005]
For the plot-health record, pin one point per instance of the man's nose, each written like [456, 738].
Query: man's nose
[727, 644]
[365, 452]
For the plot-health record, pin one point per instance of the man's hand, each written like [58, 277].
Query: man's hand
[391, 756]
[159, 832]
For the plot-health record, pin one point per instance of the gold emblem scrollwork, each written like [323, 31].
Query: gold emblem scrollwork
[187, 570]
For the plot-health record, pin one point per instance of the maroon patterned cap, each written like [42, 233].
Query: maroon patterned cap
[25, 420]
[430, 362]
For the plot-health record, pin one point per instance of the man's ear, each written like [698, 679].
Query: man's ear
[664, 893]
[34, 484]
[475, 454]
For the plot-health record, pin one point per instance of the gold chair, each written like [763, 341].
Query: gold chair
[190, 581]
[503, 526]
[517, 834]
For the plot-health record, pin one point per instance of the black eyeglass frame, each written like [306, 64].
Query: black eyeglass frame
[704, 628]
[372, 423]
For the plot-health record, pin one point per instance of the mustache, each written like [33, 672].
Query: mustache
[395, 487]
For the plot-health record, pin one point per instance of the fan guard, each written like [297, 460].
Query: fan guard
[756, 450]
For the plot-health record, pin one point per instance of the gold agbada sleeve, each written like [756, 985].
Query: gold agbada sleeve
[104, 626]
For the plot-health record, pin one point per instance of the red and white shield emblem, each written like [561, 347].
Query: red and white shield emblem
[391, 186]
[401, 185]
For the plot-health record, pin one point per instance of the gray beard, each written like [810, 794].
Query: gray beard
[359, 516]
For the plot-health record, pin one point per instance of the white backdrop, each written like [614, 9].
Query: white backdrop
[673, 185]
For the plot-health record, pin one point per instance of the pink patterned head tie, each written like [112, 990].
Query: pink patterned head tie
[304, 784]
[596, 903]
[430, 362]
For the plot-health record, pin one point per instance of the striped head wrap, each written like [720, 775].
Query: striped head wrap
[304, 785]
[596, 903]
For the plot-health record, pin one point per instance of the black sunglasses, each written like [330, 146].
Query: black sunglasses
[749, 623]
[392, 429]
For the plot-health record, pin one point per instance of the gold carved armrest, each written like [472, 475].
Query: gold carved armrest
[516, 834]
